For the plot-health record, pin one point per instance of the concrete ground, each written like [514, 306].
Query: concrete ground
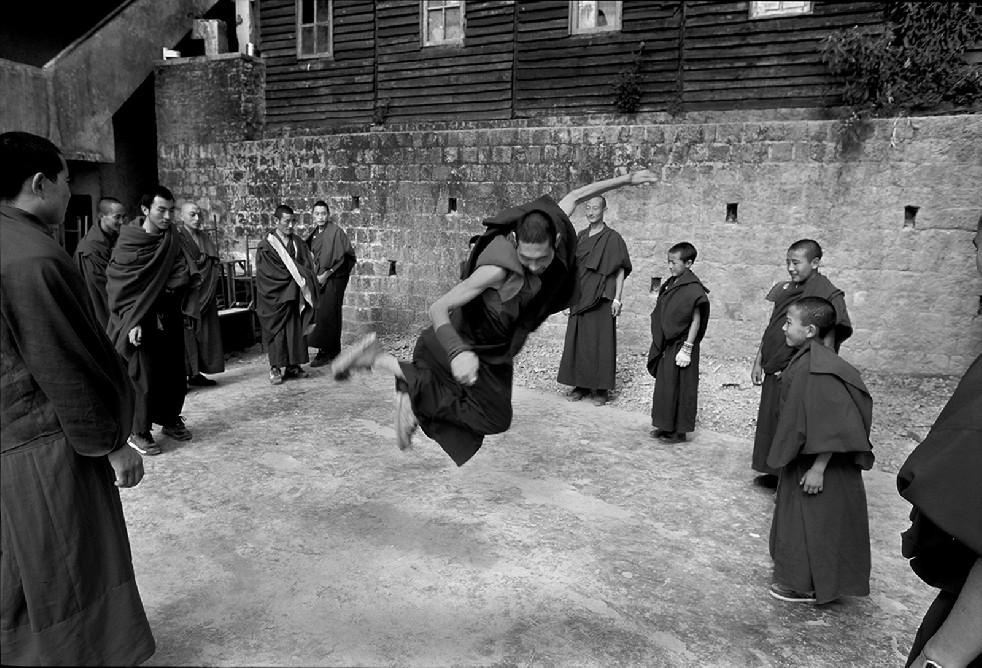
[292, 531]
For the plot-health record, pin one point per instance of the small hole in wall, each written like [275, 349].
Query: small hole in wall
[392, 267]
[731, 212]
[910, 216]
[980, 304]
[451, 205]
[355, 202]
[655, 284]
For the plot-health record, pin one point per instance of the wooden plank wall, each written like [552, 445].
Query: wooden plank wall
[519, 60]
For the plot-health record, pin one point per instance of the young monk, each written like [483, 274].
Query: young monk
[458, 385]
[803, 260]
[678, 324]
[820, 533]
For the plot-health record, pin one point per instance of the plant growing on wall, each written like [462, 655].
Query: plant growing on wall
[627, 90]
[914, 62]
[381, 111]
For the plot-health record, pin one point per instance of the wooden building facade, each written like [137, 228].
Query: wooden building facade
[342, 62]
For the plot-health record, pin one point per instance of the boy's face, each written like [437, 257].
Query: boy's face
[796, 334]
[284, 224]
[536, 258]
[799, 266]
[320, 216]
[676, 265]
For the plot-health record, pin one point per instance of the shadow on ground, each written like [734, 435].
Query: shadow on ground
[291, 531]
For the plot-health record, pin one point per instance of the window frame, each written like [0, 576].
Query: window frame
[576, 31]
[316, 24]
[424, 32]
[780, 13]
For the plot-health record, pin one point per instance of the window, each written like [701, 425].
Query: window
[315, 30]
[443, 22]
[763, 10]
[587, 17]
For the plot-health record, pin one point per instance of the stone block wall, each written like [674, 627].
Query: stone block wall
[894, 204]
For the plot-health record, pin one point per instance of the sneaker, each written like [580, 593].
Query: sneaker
[177, 431]
[201, 381]
[320, 359]
[406, 422]
[143, 443]
[782, 593]
[275, 375]
[295, 371]
[359, 356]
[600, 398]
[578, 394]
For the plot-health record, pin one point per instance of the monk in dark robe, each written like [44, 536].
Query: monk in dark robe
[942, 479]
[152, 290]
[803, 261]
[589, 361]
[458, 385]
[286, 308]
[678, 325]
[93, 252]
[820, 534]
[334, 259]
[69, 594]
[203, 352]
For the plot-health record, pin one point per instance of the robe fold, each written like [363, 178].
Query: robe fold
[820, 542]
[92, 257]
[203, 352]
[68, 594]
[495, 326]
[589, 357]
[674, 401]
[776, 353]
[151, 282]
[284, 312]
[332, 253]
[941, 479]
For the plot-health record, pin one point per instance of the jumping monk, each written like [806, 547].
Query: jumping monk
[458, 385]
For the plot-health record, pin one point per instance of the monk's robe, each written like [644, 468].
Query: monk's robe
[820, 542]
[69, 595]
[286, 308]
[675, 399]
[151, 282]
[203, 352]
[590, 353]
[332, 253]
[776, 353]
[92, 257]
[942, 479]
[495, 326]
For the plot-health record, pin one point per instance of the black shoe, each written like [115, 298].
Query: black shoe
[294, 371]
[177, 431]
[768, 481]
[320, 359]
[658, 433]
[201, 381]
[672, 437]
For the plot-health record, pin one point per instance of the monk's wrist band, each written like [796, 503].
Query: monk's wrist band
[687, 347]
[450, 340]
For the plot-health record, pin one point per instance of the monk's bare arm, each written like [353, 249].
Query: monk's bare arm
[615, 306]
[959, 640]
[484, 277]
[694, 326]
[568, 203]
[813, 481]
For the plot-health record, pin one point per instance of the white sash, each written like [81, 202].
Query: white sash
[291, 267]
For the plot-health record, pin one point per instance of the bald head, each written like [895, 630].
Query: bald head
[191, 216]
[112, 214]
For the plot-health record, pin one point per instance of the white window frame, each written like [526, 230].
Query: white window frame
[318, 21]
[424, 19]
[760, 10]
[612, 25]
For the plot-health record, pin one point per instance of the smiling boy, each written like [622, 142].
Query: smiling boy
[820, 533]
[802, 262]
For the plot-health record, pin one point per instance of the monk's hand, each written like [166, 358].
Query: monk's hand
[684, 355]
[643, 176]
[812, 482]
[136, 335]
[615, 307]
[127, 465]
[757, 375]
[464, 367]
[322, 279]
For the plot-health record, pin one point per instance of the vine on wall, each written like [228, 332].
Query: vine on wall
[627, 91]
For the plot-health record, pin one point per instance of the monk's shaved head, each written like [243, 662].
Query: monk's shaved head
[815, 311]
[809, 247]
[191, 215]
[106, 205]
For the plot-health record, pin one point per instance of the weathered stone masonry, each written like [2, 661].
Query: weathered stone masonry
[910, 280]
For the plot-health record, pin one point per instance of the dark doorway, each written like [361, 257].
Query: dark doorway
[78, 219]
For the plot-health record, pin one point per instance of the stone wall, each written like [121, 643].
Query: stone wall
[894, 204]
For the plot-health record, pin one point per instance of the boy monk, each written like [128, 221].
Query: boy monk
[678, 324]
[803, 260]
[820, 533]
[458, 385]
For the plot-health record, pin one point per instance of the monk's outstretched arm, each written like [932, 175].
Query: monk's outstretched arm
[568, 203]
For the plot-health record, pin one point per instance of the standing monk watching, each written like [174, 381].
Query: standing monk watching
[803, 259]
[333, 260]
[203, 341]
[69, 595]
[92, 254]
[285, 280]
[589, 359]
[151, 283]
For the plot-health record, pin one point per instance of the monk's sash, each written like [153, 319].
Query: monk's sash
[291, 266]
